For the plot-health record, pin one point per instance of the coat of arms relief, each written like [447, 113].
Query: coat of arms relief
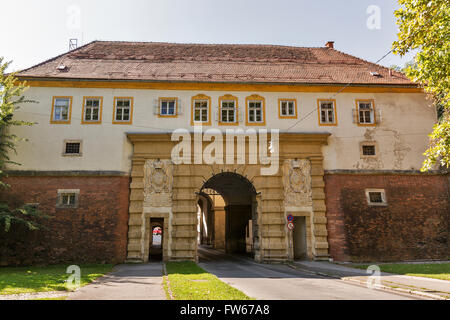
[297, 183]
[158, 183]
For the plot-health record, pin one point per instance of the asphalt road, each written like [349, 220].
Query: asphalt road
[281, 282]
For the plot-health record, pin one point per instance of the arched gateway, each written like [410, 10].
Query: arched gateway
[229, 220]
[169, 193]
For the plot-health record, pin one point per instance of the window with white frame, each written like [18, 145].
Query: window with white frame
[201, 108]
[68, 198]
[366, 112]
[327, 112]
[376, 197]
[228, 111]
[92, 109]
[287, 108]
[255, 111]
[123, 109]
[168, 107]
[61, 109]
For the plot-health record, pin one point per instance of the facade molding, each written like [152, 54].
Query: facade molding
[217, 86]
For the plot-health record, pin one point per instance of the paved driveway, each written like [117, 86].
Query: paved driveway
[280, 282]
[126, 282]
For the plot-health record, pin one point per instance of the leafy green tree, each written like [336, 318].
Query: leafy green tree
[425, 26]
[11, 96]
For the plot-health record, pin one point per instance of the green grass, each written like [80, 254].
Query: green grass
[16, 280]
[190, 282]
[430, 270]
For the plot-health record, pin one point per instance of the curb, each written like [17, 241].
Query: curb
[377, 286]
[401, 290]
[168, 282]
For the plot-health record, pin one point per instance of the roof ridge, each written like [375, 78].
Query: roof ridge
[211, 44]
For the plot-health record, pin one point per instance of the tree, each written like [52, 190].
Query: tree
[425, 25]
[11, 96]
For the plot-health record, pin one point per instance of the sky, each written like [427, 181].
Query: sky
[34, 31]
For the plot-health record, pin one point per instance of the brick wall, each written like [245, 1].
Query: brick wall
[414, 225]
[96, 231]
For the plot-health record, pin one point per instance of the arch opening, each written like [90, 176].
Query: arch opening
[228, 214]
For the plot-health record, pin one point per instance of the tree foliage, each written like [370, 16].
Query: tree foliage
[424, 25]
[11, 97]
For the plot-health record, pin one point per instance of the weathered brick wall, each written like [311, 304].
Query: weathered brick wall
[96, 231]
[414, 224]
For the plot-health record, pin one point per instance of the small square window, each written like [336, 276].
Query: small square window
[368, 150]
[72, 148]
[376, 197]
[68, 198]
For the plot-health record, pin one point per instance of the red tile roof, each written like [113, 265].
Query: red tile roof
[152, 61]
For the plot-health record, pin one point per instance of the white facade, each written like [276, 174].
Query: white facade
[401, 136]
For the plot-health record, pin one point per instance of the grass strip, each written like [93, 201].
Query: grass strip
[190, 282]
[16, 280]
[429, 270]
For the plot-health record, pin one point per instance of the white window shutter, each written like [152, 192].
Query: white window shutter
[378, 116]
[155, 106]
[179, 107]
[355, 115]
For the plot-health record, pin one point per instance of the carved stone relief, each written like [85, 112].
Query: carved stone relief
[158, 178]
[297, 183]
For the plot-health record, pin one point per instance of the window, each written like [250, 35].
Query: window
[201, 109]
[287, 108]
[255, 110]
[368, 150]
[72, 148]
[123, 110]
[376, 197]
[67, 198]
[61, 110]
[327, 112]
[365, 112]
[168, 107]
[92, 109]
[228, 110]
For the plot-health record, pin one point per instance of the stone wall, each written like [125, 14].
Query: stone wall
[414, 224]
[96, 231]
